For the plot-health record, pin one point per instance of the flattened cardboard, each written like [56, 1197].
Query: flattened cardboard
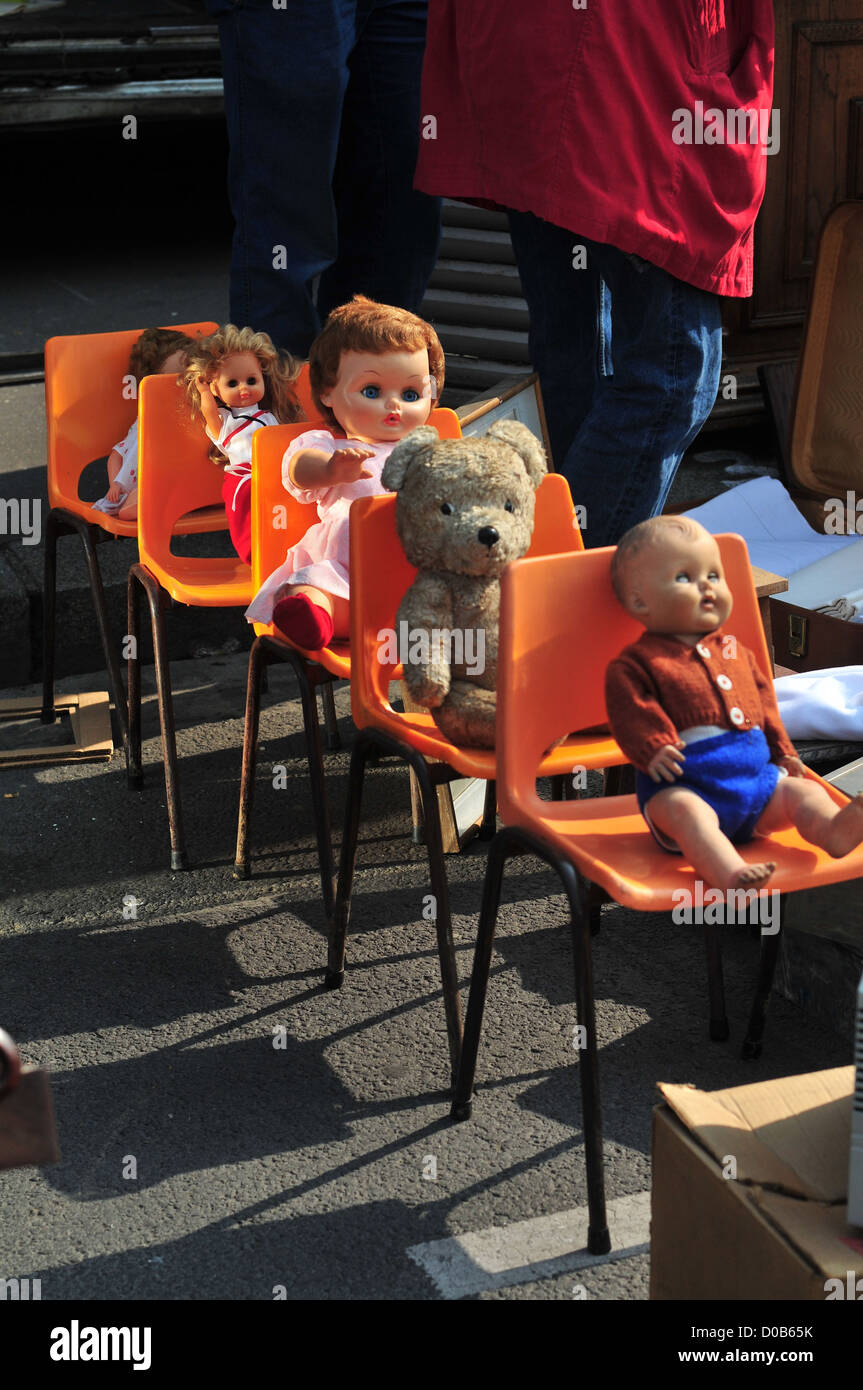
[779, 1229]
[90, 720]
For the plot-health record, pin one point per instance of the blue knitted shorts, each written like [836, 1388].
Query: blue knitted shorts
[732, 772]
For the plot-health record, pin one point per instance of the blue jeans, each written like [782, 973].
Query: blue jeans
[322, 101]
[628, 359]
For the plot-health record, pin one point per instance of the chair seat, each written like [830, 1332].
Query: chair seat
[206, 582]
[336, 659]
[201, 520]
[590, 751]
[610, 844]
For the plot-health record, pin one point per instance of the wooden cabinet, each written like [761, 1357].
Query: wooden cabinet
[818, 92]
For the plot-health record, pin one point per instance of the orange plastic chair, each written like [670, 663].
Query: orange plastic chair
[380, 575]
[87, 412]
[545, 688]
[175, 476]
[278, 522]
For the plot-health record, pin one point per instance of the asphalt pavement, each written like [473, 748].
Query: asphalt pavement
[290, 1139]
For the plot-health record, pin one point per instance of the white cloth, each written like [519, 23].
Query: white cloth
[822, 704]
[321, 558]
[127, 478]
[235, 437]
[778, 536]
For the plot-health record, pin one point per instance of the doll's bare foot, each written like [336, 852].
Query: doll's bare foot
[752, 876]
[304, 622]
[845, 831]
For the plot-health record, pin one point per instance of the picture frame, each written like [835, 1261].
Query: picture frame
[520, 400]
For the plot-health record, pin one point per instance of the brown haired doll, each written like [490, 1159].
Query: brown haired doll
[237, 382]
[156, 351]
[697, 718]
[376, 373]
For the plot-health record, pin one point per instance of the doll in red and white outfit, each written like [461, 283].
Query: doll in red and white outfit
[237, 382]
[376, 372]
[696, 717]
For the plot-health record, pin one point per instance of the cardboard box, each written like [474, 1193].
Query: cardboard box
[776, 1230]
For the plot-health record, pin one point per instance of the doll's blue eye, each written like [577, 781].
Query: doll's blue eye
[410, 394]
[681, 578]
[371, 393]
[447, 508]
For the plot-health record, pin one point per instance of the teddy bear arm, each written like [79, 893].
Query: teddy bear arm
[427, 610]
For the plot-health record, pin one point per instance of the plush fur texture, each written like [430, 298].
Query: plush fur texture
[465, 509]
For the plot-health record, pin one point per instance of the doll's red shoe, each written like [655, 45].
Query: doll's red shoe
[304, 622]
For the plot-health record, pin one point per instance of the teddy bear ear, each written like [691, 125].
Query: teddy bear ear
[525, 444]
[419, 441]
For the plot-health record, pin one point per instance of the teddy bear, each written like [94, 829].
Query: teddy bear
[464, 510]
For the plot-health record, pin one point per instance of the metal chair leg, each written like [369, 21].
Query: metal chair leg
[334, 739]
[598, 1239]
[497, 856]
[766, 968]
[443, 918]
[134, 771]
[112, 656]
[254, 682]
[166, 720]
[314, 754]
[338, 925]
[716, 988]
[488, 828]
[49, 618]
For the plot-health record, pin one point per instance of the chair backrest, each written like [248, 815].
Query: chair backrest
[303, 393]
[381, 575]
[560, 626]
[89, 406]
[175, 472]
[827, 428]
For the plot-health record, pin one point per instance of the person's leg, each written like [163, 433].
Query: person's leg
[667, 351]
[686, 819]
[388, 234]
[285, 73]
[564, 300]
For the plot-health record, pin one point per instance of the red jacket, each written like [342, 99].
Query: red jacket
[569, 114]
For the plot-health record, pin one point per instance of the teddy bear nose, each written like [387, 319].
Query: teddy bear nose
[488, 535]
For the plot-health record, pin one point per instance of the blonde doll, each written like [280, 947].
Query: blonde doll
[237, 382]
[375, 373]
[158, 351]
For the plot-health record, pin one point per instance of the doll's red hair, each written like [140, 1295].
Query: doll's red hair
[366, 326]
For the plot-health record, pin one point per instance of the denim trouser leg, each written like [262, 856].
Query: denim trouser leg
[634, 425]
[295, 125]
[388, 233]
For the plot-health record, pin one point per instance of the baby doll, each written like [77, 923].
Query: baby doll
[695, 716]
[158, 351]
[229, 375]
[375, 373]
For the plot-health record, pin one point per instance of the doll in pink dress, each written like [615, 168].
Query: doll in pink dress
[698, 719]
[375, 373]
[236, 382]
[158, 351]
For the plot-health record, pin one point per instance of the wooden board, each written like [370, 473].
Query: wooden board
[90, 720]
